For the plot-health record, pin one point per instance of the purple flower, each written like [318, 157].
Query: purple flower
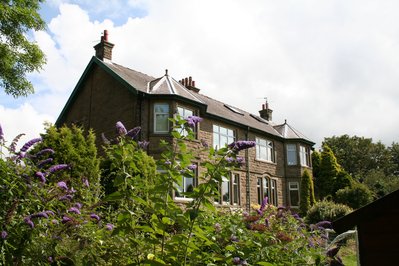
[44, 151]
[236, 260]
[168, 162]
[143, 144]
[41, 176]
[230, 159]
[50, 259]
[14, 142]
[192, 167]
[240, 160]
[86, 182]
[263, 205]
[74, 210]
[4, 233]
[95, 216]
[78, 205]
[120, 128]
[109, 227]
[267, 222]
[62, 185]
[241, 145]
[66, 219]
[204, 143]
[29, 222]
[72, 190]
[1, 138]
[43, 162]
[54, 221]
[66, 197]
[58, 167]
[39, 215]
[193, 120]
[324, 224]
[29, 144]
[50, 213]
[133, 133]
[233, 238]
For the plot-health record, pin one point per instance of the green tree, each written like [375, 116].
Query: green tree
[381, 184]
[307, 192]
[77, 148]
[358, 155]
[18, 55]
[355, 196]
[329, 176]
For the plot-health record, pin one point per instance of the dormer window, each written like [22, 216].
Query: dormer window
[161, 118]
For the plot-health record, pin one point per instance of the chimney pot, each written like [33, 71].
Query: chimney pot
[104, 48]
[193, 83]
[189, 81]
[106, 35]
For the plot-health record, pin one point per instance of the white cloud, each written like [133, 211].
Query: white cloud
[24, 119]
[329, 67]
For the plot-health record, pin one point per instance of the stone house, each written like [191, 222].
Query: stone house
[108, 92]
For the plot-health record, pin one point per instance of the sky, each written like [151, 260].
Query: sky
[328, 67]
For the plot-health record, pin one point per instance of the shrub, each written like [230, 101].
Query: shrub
[326, 211]
[307, 193]
[354, 196]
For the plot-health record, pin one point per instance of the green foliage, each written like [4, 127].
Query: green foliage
[355, 196]
[76, 148]
[359, 155]
[138, 221]
[18, 55]
[326, 211]
[307, 192]
[380, 183]
[329, 176]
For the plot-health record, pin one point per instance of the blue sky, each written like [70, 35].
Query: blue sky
[328, 67]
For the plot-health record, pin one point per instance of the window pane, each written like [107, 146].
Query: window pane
[223, 130]
[291, 154]
[161, 122]
[216, 141]
[161, 115]
[226, 190]
[294, 193]
[259, 188]
[236, 189]
[223, 141]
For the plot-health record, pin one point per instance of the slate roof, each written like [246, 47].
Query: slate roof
[166, 85]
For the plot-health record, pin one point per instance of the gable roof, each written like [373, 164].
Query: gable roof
[379, 208]
[137, 82]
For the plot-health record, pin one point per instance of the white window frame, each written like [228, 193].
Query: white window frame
[264, 150]
[291, 154]
[182, 187]
[156, 114]
[304, 155]
[293, 187]
[184, 113]
[220, 133]
[267, 187]
[232, 187]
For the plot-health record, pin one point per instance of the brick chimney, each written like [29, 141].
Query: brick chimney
[104, 48]
[266, 113]
[189, 83]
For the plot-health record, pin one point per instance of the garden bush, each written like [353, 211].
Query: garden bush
[355, 196]
[60, 214]
[326, 211]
